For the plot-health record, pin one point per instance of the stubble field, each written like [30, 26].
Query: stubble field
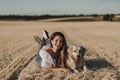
[18, 49]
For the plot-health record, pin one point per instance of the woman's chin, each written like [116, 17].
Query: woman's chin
[57, 47]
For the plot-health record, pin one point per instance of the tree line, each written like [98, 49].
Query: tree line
[105, 17]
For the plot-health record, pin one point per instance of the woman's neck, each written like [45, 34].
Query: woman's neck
[54, 50]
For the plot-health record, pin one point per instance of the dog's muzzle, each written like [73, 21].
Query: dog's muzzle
[77, 60]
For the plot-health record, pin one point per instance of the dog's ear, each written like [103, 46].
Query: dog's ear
[83, 50]
[69, 50]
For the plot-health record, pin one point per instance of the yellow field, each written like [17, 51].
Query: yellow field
[18, 48]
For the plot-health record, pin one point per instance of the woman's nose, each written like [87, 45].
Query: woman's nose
[59, 42]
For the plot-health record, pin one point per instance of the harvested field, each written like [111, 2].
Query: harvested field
[18, 49]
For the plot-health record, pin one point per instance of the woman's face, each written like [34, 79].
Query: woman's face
[57, 42]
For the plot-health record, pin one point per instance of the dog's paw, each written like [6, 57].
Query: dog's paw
[85, 68]
[76, 71]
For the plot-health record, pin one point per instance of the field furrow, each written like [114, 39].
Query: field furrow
[18, 64]
[16, 51]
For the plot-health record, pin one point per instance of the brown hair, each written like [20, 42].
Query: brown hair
[62, 54]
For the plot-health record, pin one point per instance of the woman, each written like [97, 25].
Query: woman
[53, 55]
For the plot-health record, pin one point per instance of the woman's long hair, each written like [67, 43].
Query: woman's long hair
[62, 53]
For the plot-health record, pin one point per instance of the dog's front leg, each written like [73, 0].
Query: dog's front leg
[85, 67]
[75, 70]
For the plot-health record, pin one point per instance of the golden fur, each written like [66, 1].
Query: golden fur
[75, 60]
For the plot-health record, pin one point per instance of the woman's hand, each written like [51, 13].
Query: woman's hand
[65, 70]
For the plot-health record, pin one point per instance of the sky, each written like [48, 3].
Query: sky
[41, 7]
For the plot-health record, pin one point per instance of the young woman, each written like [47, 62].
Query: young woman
[52, 56]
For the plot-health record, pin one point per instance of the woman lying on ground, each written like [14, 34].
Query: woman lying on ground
[52, 56]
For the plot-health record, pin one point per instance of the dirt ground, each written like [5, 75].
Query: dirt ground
[18, 49]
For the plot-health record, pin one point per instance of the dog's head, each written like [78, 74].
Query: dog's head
[77, 52]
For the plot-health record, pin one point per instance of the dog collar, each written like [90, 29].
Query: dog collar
[77, 60]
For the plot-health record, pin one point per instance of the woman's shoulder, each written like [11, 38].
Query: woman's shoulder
[44, 53]
[46, 47]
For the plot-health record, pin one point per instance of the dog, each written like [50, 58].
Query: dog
[75, 61]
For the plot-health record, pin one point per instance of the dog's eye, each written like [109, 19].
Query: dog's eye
[74, 51]
[80, 51]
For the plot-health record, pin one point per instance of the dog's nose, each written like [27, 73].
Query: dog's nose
[78, 56]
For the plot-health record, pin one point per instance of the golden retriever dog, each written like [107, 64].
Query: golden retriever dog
[75, 60]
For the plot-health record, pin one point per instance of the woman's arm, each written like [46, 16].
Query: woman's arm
[58, 69]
